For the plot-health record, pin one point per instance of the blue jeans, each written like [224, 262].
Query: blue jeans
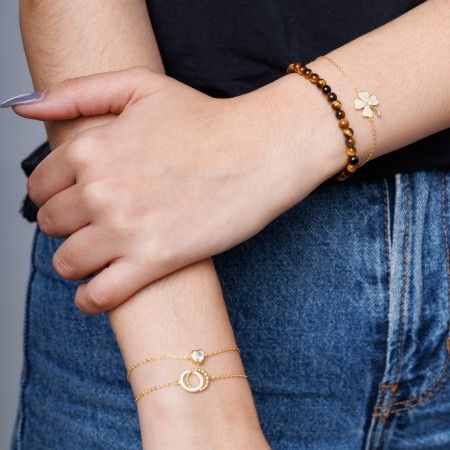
[341, 309]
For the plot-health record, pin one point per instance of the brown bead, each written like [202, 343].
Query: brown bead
[343, 123]
[291, 68]
[297, 68]
[340, 114]
[314, 78]
[331, 97]
[350, 142]
[342, 176]
[321, 83]
[302, 70]
[336, 104]
[350, 168]
[348, 132]
[308, 73]
[350, 152]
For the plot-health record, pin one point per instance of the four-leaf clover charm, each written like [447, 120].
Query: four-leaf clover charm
[367, 103]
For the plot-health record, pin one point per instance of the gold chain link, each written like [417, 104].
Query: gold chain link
[225, 377]
[373, 132]
[155, 388]
[151, 389]
[176, 357]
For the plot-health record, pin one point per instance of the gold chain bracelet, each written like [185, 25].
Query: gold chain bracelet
[196, 356]
[204, 379]
[364, 101]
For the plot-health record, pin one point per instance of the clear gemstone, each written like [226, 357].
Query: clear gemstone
[198, 356]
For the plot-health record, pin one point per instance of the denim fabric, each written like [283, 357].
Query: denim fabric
[340, 307]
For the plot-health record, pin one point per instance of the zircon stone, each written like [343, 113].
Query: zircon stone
[198, 356]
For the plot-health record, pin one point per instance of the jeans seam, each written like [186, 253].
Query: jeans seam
[382, 389]
[401, 335]
[384, 410]
[443, 375]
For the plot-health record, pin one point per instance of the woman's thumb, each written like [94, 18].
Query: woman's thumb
[92, 95]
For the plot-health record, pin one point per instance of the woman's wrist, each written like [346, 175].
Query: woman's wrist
[292, 132]
[222, 417]
[223, 413]
[316, 132]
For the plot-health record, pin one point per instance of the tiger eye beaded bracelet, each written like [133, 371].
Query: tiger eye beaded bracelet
[314, 78]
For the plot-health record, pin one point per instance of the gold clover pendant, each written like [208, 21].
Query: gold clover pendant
[368, 104]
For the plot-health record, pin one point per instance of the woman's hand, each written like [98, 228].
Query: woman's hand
[177, 177]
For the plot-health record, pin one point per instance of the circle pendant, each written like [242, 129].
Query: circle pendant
[200, 374]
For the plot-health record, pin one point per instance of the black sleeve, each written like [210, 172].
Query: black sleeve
[29, 209]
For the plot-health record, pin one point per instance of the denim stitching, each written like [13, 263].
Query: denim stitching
[383, 386]
[387, 408]
[414, 402]
[387, 235]
[423, 401]
[388, 245]
[443, 376]
[401, 334]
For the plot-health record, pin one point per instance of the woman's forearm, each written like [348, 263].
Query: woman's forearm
[184, 310]
[405, 63]
[65, 39]
[174, 315]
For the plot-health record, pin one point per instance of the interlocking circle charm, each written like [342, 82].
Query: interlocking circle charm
[200, 374]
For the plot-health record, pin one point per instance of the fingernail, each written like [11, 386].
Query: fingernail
[23, 99]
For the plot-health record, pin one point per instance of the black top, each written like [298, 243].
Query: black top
[229, 47]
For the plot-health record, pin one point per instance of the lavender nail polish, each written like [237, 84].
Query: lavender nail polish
[23, 99]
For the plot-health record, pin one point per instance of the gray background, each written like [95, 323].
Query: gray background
[18, 137]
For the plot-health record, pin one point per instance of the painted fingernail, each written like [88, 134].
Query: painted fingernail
[22, 99]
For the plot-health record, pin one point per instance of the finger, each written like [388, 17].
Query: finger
[64, 213]
[52, 175]
[112, 286]
[83, 253]
[92, 95]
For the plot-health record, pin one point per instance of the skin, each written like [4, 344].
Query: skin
[174, 154]
[148, 213]
[218, 151]
[185, 309]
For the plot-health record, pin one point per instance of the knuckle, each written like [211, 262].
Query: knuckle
[95, 194]
[95, 299]
[83, 150]
[44, 221]
[79, 299]
[32, 187]
[63, 264]
[165, 254]
[78, 155]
